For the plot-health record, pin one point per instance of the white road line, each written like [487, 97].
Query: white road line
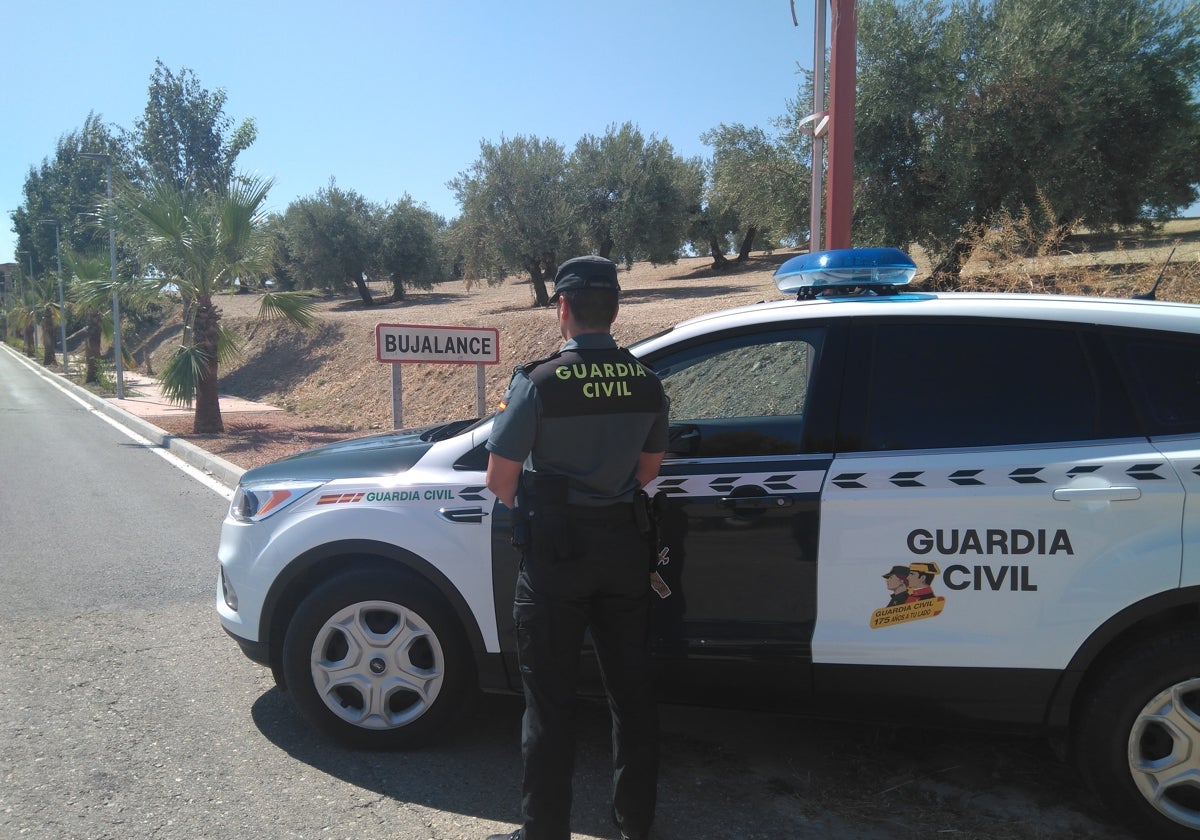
[201, 476]
[172, 459]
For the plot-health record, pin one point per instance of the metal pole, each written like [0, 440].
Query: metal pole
[63, 309]
[842, 79]
[397, 396]
[112, 265]
[818, 149]
[112, 273]
[30, 255]
[480, 390]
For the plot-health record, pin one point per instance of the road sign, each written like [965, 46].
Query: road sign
[399, 344]
[405, 343]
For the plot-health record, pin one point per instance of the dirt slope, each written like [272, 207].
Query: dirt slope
[332, 387]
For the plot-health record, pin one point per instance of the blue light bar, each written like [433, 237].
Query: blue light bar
[846, 267]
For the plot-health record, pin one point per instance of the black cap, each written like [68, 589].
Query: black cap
[898, 571]
[585, 273]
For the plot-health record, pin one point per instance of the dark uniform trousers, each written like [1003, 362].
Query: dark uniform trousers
[601, 582]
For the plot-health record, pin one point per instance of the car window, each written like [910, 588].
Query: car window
[934, 386]
[1162, 372]
[744, 395]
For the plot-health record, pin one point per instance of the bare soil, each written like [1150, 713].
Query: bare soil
[331, 387]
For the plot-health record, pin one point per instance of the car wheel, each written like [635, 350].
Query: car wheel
[375, 658]
[1138, 739]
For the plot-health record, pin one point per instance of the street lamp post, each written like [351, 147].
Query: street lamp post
[20, 294]
[27, 276]
[112, 265]
[62, 307]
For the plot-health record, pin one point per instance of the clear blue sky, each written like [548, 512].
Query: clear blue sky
[394, 96]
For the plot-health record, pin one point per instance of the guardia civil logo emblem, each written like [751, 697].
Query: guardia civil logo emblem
[911, 595]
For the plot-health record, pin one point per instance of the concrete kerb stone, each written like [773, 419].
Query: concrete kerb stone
[215, 466]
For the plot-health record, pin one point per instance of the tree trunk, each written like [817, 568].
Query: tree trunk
[30, 340]
[207, 419]
[397, 288]
[537, 279]
[49, 359]
[363, 291]
[747, 244]
[606, 247]
[92, 347]
[718, 253]
[946, 275]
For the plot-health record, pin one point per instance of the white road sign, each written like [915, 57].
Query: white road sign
[400, 343]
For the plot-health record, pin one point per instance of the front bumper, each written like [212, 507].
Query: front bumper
[255, 651]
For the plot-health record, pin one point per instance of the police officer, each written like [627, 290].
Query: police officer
[578, 435]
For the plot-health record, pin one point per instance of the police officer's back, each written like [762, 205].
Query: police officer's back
[580, 434]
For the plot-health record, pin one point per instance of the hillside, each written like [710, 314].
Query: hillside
[331, 386]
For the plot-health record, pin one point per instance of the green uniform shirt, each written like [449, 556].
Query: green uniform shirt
[587, 413]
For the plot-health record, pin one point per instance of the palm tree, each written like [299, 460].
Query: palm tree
[40, 305]
[24, 317]
[91, 298]
[202, 242]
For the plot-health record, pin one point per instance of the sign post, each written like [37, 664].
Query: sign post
[398, 344]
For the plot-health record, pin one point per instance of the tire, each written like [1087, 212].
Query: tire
[375, 658]
[1138, 737]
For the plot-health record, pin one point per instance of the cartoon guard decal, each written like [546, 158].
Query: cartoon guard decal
[912, 596]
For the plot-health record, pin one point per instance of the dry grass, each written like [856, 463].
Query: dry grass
[331, 385]
[1011, 258]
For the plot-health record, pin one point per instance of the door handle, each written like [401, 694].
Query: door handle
[756, 502]
[462, 516]
[1097, 494]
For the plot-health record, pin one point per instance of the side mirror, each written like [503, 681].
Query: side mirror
[683, 439]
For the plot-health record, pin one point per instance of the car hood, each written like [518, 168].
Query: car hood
[365, 457]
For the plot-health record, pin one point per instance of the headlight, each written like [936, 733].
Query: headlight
[254, 503]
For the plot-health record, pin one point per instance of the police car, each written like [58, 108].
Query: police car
[982, 506]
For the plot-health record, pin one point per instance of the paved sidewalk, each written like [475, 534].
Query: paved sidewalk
[144, 398]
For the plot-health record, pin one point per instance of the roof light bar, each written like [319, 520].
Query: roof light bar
[873, 268]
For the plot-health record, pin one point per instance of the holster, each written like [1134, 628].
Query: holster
[645, 513]
[543, 513]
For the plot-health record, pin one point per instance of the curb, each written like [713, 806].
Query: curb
[215, 466]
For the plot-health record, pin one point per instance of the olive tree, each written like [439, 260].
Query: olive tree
[632, 196]
[517, 215]
[332, 240]
[968, 110]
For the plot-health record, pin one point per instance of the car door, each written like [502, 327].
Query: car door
[997, 467]
[738, 502]
[1161, 371]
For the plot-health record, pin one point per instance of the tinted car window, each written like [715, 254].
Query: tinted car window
[1162, 372]
[952, 385]
[743, 395]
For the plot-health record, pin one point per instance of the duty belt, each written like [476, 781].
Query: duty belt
[616, 512]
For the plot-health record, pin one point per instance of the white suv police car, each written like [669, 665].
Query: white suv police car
[983, 505]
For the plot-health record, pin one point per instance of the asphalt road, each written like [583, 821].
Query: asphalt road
[126, 713]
